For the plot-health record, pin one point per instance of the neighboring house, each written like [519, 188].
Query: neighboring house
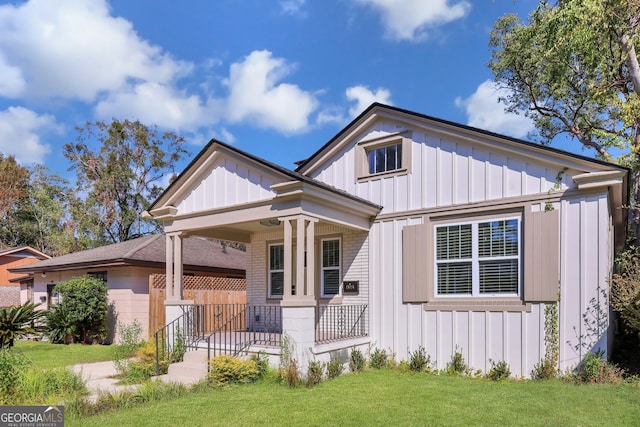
[10, 282]
[126, 268]
[406, 230]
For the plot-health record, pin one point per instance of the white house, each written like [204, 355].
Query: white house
[404, 231]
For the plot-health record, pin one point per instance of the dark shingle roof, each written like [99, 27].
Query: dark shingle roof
[148, 250]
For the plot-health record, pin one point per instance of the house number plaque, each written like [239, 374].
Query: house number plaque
[350, 286]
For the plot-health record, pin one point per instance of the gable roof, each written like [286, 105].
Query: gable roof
[198, 254]
[215, 144]
[381, 109]
[20, 249]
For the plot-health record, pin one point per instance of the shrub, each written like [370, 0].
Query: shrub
[335, 367]
[419, 360]
[61, 328]
[17, 320]
[225, 370]
[85, 300]
[499, 371]
[544, 370]
[457, 364]
[625, 288]
[261, 359]
[315, 371]
[357, 361]
[129, 343]
[379, 359]
[596, 369]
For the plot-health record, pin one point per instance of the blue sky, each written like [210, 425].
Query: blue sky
[276, 78]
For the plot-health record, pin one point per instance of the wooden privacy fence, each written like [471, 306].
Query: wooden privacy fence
[201, 289]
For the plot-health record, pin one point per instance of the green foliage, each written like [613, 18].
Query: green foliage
[357, 361]
[142, 365]
[225, 370]
[11, 365]
[61, 328]
[84, 299]
[121, 178]
[457, 365]
[544, 370]
[419, 360]
[16, 321]
[42, 386]
[595, 369]
[547, 368]
[315, 371]
[335, 367]
[261, 360]
[129, 342]
[625, 289]
[288, 369]
[378, 359]
[499, 371]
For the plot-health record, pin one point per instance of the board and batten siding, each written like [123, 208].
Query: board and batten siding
[515, 337]
[227, 182]
[444, 171]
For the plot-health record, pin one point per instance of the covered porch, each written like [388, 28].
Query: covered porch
[307, 277]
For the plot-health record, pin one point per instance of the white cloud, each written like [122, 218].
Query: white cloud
[292, 7]
[74, 49]
[257, 96]
[484, 111]
[19, 130]
[364, 97]
[410, 19]
[155, 103]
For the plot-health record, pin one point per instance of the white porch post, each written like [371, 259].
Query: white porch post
[174, 302]
[298, 311]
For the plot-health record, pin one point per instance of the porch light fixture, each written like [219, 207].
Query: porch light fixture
[272, 222]
[44, 274]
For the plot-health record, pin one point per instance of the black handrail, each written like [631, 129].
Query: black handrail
[339, 322]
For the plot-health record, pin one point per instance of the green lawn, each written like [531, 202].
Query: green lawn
[47, 355]
[390, 398]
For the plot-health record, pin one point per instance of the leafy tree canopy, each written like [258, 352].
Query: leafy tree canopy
[122, 177]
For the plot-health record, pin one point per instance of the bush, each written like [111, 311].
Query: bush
[625, 289]
[595, 369]
[379, 359]
[335, 367]
[288, 369]
[61, 328]
[18, 320]
[261, 359]
[419, 360]
[129, 343]
[457, 364]
[315, 371]
[85, 300]
[544, 370]
[499, 371]
[357, 361]
[225, 370]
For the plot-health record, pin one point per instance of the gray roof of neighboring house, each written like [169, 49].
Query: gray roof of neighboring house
[197, 254]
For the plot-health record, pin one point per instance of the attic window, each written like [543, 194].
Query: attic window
[381, 157]
[384, 159]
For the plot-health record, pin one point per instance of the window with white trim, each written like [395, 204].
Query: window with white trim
[384, 159]
[478, 258]
[331, 270]
[276, 270]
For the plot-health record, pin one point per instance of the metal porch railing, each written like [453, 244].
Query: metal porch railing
[339, 322]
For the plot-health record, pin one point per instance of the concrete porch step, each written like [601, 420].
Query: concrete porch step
[191, 370]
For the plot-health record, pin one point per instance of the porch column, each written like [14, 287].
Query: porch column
[299, 310]
[174, 302]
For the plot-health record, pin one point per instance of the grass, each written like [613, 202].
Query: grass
[47, 355]
[385, 397]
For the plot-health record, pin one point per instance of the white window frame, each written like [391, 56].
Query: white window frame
[278, 270]
[372, 164]
[323, 268]
[475, 259]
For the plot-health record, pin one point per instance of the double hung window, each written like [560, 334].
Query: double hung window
[479, 258]
[331, 272]
[276, 270]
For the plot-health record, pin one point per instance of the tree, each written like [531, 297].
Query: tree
[84, 304]
[14, 181]
[18, 320]
[122, 178]
[573, 69]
